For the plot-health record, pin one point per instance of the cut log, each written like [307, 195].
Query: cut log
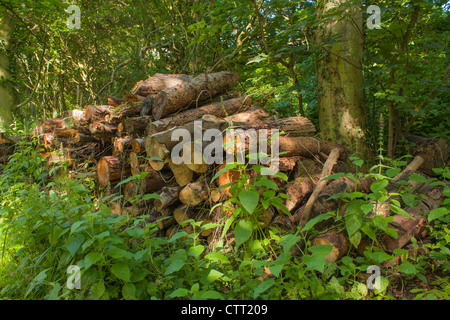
[183, 175]
[218, 109]
[49, 126]
[227, 178]
[83, 138]
[121, 145]
[115, 102]
[126, 110]
[251, 115]
[182, 214]
[293, 126]
[136, 125]
[169, 196]
[335, 239]
[158, 82]
[195, 161]
[134, 163]
[166, 219]
[78, 116]
[434, 151]
[200, 88]
[138, 145]
[109, 168]
[298, 190]
[194, 193]
[97, 113]
[308, 146]
[103, 130]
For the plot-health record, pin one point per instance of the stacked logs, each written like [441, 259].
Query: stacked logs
[132, 142]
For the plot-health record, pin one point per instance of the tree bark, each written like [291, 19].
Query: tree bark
[194, 193]
[109, 168]
[218, 109]
[199, 89]
[340, 76]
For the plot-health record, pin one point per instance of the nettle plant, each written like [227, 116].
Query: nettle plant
[252, 195]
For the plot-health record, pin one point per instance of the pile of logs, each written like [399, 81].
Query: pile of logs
[129, 141]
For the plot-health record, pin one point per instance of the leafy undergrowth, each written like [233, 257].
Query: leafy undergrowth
[54, 228]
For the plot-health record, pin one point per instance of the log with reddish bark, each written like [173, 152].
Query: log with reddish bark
[199, 89]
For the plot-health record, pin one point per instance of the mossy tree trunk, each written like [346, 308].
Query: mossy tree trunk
[340, 75]
[6, 98]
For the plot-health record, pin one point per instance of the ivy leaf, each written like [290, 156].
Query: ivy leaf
[243, 231]
[249, 200]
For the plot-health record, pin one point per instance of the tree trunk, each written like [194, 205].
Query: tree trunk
[199, 89]
[340, 76]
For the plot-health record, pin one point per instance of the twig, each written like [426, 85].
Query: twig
[329, 164]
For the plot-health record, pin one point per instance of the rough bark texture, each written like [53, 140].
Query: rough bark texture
[340, 76]
[199, 89]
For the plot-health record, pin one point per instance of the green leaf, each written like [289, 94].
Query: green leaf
[249, 200]
[216, 257]
[213, 275]
[151, 196]
[378, 256]
[129, 291]
[243, 231]
[210, 294]
[175, 266]
[266, 183]
[311, 223]
[437, 213]
[121, 270]
[74, 243]
[118, 253]
[353, 223]
[377, 186]
[400, 211]
[91, 258]
[407, 268]
[138, 275]
[178, 293]
[97, 290]
[418, 178]
[196, 251]
[335, 176]
[317, 260]
[263, 286]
